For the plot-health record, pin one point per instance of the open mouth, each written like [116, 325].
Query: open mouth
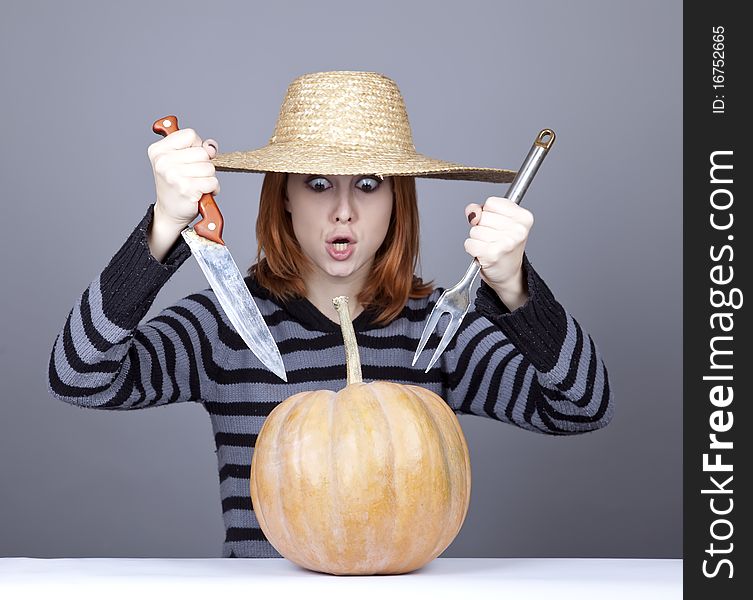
[340, 248]
[340, 244]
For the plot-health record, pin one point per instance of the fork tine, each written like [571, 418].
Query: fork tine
[446, 338]
[431, 324]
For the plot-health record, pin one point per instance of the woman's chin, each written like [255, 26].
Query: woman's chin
[340, 269]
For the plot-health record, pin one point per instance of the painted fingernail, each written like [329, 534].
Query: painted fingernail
[471, 217]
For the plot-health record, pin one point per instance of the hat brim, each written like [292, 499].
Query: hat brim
[339, 160]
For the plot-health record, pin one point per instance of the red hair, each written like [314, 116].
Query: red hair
[281, 264]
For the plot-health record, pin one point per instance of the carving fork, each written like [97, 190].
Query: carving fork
[456, 300]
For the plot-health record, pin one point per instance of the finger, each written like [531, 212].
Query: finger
[505, 207]
[473, 213]
[501, 205]
[197, 141]
[495, 220]
[212, 147]
[485, 234]
[207, 185]
[507, 226]
[504, 239]
[476, 248]
[195, 169]
[191, 155]
[178, 140]
[488, 253]
[183, 138]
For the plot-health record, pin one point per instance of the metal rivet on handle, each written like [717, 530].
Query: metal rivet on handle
[212, 226]
[167, 123]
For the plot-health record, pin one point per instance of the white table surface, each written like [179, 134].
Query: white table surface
[225, 579]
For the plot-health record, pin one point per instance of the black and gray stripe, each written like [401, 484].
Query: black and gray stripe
[535, 367]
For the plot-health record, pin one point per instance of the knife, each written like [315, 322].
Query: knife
[206, 244]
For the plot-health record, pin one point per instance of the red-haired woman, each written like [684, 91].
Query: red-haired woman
[519, 357]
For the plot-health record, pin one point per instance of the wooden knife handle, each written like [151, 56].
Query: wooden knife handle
[210, 226]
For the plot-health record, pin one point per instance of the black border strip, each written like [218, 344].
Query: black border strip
[725, 133]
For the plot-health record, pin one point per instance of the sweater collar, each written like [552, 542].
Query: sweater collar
[303, 310]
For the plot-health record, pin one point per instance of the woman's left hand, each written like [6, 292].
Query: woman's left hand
[497, 239]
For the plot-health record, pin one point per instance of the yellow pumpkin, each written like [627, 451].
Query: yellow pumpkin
[373, 479]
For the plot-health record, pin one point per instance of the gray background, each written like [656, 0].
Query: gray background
[82, 83]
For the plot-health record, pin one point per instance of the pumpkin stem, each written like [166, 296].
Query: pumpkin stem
[352, 359]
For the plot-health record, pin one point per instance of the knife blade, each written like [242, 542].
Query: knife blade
[207, 247]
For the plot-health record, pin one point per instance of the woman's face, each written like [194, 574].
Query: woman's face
[340, 221]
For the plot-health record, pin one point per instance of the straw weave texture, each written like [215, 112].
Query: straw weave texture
[347, 123]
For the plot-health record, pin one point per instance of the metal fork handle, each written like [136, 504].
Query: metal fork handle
[531, 164]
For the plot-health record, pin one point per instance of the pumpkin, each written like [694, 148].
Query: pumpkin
[373, 479]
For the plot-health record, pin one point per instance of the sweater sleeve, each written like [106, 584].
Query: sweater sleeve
[534, 367]
[102, 358]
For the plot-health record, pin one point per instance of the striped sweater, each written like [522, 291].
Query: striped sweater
[534, 367]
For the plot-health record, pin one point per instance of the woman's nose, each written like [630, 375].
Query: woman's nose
[344, 209]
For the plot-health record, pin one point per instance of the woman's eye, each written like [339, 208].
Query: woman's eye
[369, 184]
[319, 184]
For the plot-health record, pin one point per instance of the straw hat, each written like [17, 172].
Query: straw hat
[347, 123]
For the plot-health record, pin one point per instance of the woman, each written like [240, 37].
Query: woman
[519, 357]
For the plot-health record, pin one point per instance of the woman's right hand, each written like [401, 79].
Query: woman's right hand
[183, 173]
